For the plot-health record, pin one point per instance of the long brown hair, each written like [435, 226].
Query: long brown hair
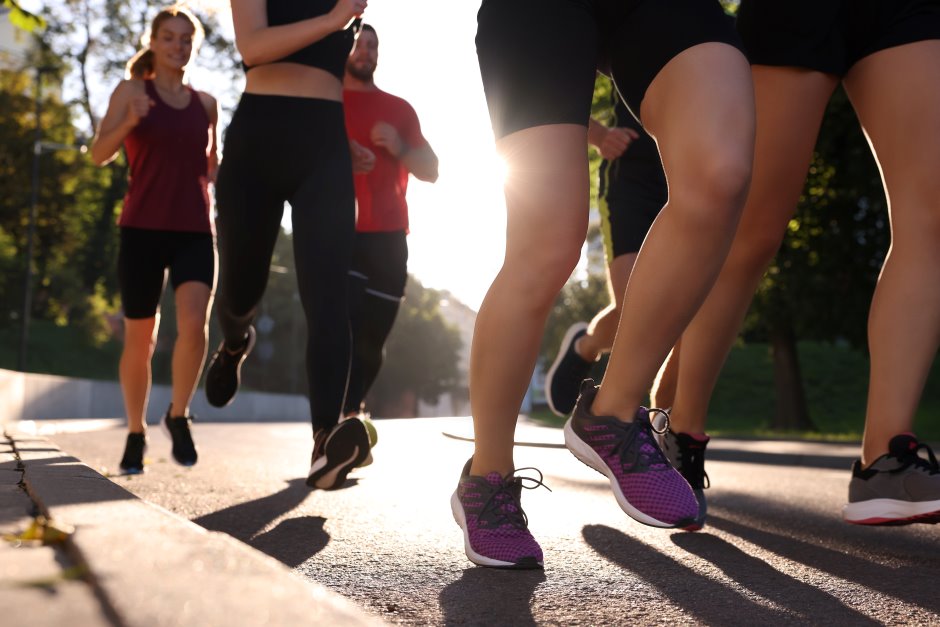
[141, 64]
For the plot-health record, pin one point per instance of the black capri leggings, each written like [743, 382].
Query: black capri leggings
[277, 149]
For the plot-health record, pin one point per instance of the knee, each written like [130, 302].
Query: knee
[193, 330]
[541, 275]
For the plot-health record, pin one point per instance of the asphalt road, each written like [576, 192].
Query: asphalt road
[774, 551]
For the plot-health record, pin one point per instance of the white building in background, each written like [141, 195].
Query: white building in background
[15, 43]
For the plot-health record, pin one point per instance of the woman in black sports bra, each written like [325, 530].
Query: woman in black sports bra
[287, 143]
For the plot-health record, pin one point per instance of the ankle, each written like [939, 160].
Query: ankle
[584, 350]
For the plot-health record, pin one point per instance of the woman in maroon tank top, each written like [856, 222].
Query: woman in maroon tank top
[168, 131]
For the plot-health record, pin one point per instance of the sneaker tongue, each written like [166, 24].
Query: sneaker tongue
[902, 445]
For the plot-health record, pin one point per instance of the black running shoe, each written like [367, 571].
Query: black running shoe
[223, 376]
[132, 463]
[564, 378]
[687, 455]
[337, 452]
[184, 450]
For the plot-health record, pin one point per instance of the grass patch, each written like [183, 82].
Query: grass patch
[60, 350]
[836, 384]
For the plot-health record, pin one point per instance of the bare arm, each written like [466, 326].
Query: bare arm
[419, 161]
[422, 163]
[128, 106]
[259, 43]
[212, 110]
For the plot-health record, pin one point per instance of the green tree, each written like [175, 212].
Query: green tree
[422, 356]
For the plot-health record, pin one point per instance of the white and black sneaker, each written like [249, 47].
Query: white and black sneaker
[336, 452]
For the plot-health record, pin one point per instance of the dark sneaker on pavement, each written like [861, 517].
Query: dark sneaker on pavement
[178, 428]
[644, 483]
[366, 419]
[898, 488]
[336, 452]
[686, 453]
[223, 376]
[567, 372]
[495, 529]
[132, 463]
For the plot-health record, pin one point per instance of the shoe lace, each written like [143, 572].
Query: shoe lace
[912, 458]
[630, 437]
[692, 461]
[503, 507]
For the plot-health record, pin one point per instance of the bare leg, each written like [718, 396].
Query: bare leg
[663, 392]
[790, 106]
[547, 212]
[707, 156]
[896, 93]
[193, 300]
[603, 328]
[140, 336]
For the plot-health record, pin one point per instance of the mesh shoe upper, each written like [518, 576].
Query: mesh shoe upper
[898, 487]
[567, 372]
[495, 526]
[646, 485]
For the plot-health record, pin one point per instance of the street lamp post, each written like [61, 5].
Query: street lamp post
[38, 147]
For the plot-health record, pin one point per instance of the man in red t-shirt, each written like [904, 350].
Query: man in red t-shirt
[389, 127]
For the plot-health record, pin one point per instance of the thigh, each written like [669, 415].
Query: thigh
[537, 60]
[141, 271]
[193, 259]
[790, 103]
[641, 37]
[896, 93]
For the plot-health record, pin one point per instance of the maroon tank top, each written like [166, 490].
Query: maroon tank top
[167, 155]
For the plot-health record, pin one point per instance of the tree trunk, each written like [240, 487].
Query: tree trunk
[791, 412]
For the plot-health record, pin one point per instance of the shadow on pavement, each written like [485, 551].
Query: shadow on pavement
[293, 541]
[805, 601]
[889, 560]
[470, 599]
[704, 599]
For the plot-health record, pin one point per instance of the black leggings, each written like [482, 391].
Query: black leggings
[278, 149]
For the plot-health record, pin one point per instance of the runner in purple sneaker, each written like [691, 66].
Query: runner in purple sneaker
[495, 529]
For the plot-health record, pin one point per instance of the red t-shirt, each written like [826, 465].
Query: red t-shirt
[380, 194]
[168, 155]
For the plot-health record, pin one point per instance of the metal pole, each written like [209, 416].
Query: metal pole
[31, 231]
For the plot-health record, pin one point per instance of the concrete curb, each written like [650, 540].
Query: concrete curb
[150, 567]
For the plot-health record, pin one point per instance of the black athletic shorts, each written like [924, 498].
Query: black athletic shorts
[143, 260]
[380, 260]
[538, 58]
[831, 35]
[631, 191]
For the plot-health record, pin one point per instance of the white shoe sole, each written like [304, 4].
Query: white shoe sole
[885, 511]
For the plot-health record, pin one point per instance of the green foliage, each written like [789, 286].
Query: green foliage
[21, 18]
[422, 352]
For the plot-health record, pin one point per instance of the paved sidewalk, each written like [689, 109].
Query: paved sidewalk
[123, 561]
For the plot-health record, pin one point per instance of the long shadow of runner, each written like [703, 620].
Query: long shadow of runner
[702, 598]
[807, 602]
[469, 600]
[293, 541]
[901, 567]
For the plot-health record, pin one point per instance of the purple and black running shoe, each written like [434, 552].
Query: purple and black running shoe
[495, 529]
[645, 484]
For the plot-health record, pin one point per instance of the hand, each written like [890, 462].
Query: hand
[345, 11]
[616, 142]
[137, 109]
[363, 159]
[385, 136]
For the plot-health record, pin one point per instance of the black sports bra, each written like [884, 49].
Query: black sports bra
[329, 53]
